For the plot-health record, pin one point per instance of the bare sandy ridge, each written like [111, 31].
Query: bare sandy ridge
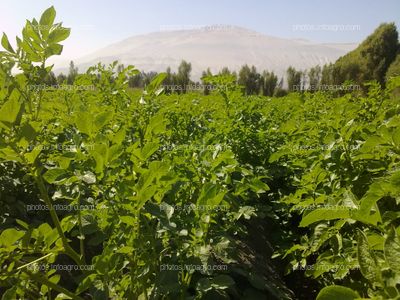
[215, 46]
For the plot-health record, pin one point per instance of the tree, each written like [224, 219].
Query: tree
[61, 78]
[250, 79]
[394, 68]
[168, 81]
[50, 79]
[279, 90]
[370, 60]
[73, 72]
[207, 86]
[314, 78]
[382, 48]
[293, 79]
[269, 83]
[136, 81]
[244, 78]
[183, 76]
[327, 74]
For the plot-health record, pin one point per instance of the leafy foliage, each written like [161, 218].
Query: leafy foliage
[369, 61]
[166, 186]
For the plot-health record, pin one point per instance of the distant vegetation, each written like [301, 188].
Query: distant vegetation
[376, 58]
[370, 61]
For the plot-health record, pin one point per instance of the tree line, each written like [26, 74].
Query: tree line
[264, 83]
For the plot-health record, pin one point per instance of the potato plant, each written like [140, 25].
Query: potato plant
[143, 195]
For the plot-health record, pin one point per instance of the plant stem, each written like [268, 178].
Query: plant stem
[81, 234]
[43, 192]
[52, 285]
[32, 262]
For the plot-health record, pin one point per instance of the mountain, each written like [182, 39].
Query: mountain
[215, 47]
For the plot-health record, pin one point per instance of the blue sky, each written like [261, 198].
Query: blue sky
[98, 23]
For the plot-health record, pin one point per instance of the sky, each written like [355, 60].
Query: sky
[98, 23]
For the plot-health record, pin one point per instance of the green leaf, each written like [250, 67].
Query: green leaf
[47, 18]
[28, 132]
[54, 175]
[366, 259]
[374, 193]
[167, 209]
[34, 55]
[246, 211]
[203, 285]
[22, 224]
[62, 296]
[155, 83]
[58, 34]
[129, 220]
[50, 235]
[156, 126]
[222, 282]
[31, 156]
[126, 250]
[10, 110]
[277, 155]
[148, 150]
[86, 283]
[119, 136]
[392, 250]
[55, 279]
[210, 195]
[396, 137]
[372, 143]
[31, 31]
[102, 119]
[54, 49]
[83, 122]
[6, 44]
[394, 187]
[324, 214]
[9, 154]
[99, 159]
[9, 236]
[10, 294]
[89, 177]
[335, 292]
[114, 152]
[145, 194]
[258, 186]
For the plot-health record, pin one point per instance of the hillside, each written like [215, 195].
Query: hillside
[215, 47]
